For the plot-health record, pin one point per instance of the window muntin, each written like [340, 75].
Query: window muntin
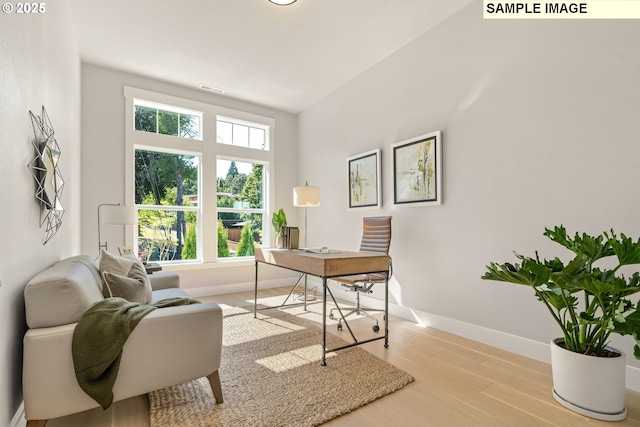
[167, 120]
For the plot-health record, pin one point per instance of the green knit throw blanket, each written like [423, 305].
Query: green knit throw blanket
[98, 340]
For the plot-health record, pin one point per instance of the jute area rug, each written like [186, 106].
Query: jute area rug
[271, 376]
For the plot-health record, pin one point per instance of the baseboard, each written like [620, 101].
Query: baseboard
[18, 419]
[231, 288]
[633, 378]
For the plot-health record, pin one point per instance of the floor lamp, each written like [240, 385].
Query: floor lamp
[306, 196]
[114, 213]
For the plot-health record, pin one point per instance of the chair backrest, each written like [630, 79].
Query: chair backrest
[376, 234]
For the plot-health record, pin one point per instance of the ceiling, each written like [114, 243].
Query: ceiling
[285, 57]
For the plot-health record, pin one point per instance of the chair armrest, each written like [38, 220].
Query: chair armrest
[164, 281]
[158, 354]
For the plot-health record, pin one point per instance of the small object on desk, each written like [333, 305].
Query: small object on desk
[152, 267]
[323, 250]
[291, 237]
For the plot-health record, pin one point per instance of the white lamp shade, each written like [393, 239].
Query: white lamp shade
[118, 215]
[306, 196]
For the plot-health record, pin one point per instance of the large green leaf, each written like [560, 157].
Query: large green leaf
[539, 273]
[600, 289]
[631, 324]
[593, 247]
[507, 272]
[625, 249]
[558, 301]
[569, 277]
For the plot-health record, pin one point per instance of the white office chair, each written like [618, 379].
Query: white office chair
[376, 238]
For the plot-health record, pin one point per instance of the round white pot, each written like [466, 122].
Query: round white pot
[588, 385]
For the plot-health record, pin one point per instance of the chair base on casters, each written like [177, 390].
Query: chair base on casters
[358, 310]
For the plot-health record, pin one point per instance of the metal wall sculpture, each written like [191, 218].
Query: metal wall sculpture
[45, 171]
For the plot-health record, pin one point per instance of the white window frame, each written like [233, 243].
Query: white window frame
[209, 151]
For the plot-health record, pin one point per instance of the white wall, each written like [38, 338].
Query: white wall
[540, 128]
[39, 65]
[103, 143]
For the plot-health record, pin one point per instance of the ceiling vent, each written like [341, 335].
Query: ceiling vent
[213, 89]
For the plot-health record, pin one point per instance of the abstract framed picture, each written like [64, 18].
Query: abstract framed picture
[364, 180]
[417, 170]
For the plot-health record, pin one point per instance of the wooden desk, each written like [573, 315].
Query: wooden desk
[326, 266]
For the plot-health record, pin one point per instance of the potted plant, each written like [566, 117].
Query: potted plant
[279, 221]
[589, 302]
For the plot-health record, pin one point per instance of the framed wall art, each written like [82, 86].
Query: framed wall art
[364, 180]
[417, 170]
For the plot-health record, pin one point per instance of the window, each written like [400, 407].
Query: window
[241, 135]
[240, 206]
[167, 199]
[199, 178]
[167, 120]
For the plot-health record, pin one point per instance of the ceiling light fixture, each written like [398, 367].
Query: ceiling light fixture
[282, 2]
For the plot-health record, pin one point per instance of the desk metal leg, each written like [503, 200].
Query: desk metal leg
[255, 294]
[293, 290]
[305, 291]
[342, 316]
[386, 311]
[302, 276]
[324, 321]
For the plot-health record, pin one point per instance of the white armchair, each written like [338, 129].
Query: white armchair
[169, 346]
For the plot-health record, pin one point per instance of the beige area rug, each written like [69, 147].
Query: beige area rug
[271, 376]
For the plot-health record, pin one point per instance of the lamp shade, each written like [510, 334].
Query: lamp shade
[118, 214]
[306, 196]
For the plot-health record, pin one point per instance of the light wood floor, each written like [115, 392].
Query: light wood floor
[458, 382]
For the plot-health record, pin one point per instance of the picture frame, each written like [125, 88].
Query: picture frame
[417, 170]
[365, 189]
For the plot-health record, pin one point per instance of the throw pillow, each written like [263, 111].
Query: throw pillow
[124, 277]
